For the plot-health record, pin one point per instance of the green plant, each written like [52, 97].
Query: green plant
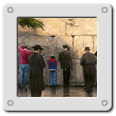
[30, 22]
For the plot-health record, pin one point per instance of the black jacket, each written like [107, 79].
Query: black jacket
[65, 59]
[36, 63]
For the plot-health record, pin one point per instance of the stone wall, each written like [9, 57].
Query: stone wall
[78, 33]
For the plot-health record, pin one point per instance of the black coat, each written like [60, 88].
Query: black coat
[88, 62]
[65, 59]
[96, 53]
[36, 63]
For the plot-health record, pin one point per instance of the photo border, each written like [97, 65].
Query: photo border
[92, 10]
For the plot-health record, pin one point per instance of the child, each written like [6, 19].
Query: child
[52, 70]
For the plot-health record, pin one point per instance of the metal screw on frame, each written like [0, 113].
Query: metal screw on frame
[10, 102]
[104, 9]
[104, 102]
[10, 10]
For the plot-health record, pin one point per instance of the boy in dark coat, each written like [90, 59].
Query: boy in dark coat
[52, 70]
[36, 63]
[66, 64]
[88, 61]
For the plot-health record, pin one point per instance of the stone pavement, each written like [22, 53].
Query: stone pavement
[61, 92]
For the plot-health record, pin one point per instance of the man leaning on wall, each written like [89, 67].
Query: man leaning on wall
[24, 67]
[66, 64]
[88, 61]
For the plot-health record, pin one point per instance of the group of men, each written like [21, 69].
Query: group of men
[33, 64]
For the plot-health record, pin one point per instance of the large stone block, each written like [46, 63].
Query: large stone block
[44, 40]
[82, 26]
[59, 41]
[52, 26]
[26, 30]
[77, 72]
[29, 40]
[80, 42]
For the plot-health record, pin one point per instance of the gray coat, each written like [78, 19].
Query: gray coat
[36, 63]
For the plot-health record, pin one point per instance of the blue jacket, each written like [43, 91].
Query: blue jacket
[52, 63]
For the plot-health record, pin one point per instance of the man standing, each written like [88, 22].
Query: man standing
[65, 61]
[88, 62]
[24, 67]
[36, 63]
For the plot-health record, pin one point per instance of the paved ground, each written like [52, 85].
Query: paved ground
[61, 92]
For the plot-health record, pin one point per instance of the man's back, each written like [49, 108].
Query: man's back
[36, 61]
[88, 62]
[65, 59]
[88, 59]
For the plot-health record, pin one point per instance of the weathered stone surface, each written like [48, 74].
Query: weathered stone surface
[52, 26]
[26, 30]
[85, 35]
[95, 44]
[81, 26]
[59, 41]
[64, 26]
[76, 72]
[80, 42]
[61, 92]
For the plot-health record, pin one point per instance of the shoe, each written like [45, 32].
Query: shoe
[21, 89]
[89, 94]
[25, 89]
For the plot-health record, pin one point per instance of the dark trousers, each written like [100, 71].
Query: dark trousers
[89, 83]
[66, 75]
[89, 77]
[36, 93]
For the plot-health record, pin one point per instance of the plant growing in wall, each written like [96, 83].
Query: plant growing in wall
[30, 22]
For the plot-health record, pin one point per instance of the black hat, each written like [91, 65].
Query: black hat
[86, 49]
[52, 56]
[36, 47]
[66, 46]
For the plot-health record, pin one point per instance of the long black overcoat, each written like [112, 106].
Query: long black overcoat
[36, 63]
[65, 59]
[88, 61]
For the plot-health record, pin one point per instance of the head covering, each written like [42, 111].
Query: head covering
[86, 49]
[36, 47]
[52, 56]
[66, 46]
[53, 36]
[25, 46]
